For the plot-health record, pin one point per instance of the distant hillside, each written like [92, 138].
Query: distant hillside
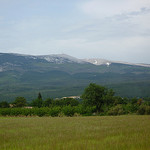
[97, 61]
[63, 75]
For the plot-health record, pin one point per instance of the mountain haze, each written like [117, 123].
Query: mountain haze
[63, 75]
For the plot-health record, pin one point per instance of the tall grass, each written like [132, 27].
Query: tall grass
[75, 133]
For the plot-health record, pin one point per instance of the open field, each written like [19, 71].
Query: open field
[75, 133]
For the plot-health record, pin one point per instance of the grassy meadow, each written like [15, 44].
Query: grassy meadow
[130, 132]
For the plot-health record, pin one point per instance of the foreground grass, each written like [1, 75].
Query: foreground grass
[76, 133]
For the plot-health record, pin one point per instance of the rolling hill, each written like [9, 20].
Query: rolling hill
[63, 75]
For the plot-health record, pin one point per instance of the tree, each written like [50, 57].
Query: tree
[4, 104]
[39, 96]
[19, 102]
[95, 95]
[37, 103]
[69, 101]
[108, 97]
[120, 100]
[48, 102]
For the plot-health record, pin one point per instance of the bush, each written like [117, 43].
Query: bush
[144, 110]
[117, 110]
[4, 104]
[40, 112]
[130, 108]
[80, 109]
[65, 102]
[85, 110]
[61, 114]
[5, 111]
[54, 111]
[27, 112]
[147, 110]
[90, 110]
[68, 110]
[16, 111]
[104, 109]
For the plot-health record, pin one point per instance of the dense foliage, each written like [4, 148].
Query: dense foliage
[95, 95]
[19, 102]
[95, 100]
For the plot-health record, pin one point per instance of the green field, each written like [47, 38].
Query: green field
[130, 132]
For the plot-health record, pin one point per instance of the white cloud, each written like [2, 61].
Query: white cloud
[142, 22]
[110, 29]
[107, 8]
[130, 49]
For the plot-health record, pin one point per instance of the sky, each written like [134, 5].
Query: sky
[116, 30]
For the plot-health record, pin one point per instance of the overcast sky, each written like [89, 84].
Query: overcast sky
[108, 29]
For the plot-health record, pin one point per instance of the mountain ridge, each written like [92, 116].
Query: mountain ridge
[63, 75]
[64, 58]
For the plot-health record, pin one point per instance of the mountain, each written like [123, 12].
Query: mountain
[97, 61]
[63, 75]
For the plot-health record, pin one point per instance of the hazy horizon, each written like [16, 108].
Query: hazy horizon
[114, 30]
[122, 61]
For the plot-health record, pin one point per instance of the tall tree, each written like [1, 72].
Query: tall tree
[95, 95]
[19, 102]
[39, 96]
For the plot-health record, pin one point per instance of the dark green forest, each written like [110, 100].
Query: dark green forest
[95, 100]
[25, 76]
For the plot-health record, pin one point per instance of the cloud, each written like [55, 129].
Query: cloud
[115, 30]
[103, 8]
[130, 49]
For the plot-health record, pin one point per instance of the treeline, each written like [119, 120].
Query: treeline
[49, 111]
[95, 100]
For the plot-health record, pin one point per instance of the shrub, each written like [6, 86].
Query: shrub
[90, 110]
[80, 109]
[104, 109]
[76, 114]
[147, 110]
[27, 112]
[65, 102]
[130, 108]
[16, 111]
[40, 112]
[85, 110]
[5, 111]
[117, 110]
[68, 110]
[54, 111]
[61, 114]
[144, 110]
[4, 104]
